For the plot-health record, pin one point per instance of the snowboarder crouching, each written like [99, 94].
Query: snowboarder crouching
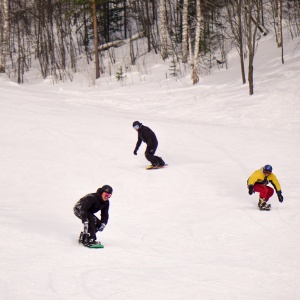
[146, 135]
[258, 182]
[85, 209]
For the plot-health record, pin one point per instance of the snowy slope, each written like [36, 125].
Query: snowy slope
[189, 231]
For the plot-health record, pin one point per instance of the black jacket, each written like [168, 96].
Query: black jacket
[92, 203]
[146, 135]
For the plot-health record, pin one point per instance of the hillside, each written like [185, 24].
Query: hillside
[189, 231]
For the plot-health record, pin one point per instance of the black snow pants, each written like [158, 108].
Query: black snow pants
[94, 222]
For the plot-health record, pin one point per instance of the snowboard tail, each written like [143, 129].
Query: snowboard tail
[155, 167]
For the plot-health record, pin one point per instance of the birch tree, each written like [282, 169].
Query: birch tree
[279, 23]
[195, 76]
[4, 36]
[185, 31]
[163, 29]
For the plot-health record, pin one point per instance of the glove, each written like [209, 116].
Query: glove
[101, 227]
[280, 197]
[251, 191]
[135, 152]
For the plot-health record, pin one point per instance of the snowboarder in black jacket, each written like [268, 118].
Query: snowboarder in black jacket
[85, 209]
[146, 135]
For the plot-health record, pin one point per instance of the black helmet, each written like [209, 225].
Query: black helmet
[107, 188]
[136, 124]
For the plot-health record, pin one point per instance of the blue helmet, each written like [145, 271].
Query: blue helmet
[268, 168]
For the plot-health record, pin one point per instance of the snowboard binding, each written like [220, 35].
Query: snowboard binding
[84, 238]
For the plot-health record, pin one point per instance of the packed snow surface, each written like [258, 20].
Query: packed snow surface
[188, 231]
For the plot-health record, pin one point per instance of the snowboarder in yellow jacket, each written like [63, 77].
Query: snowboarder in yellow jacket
[258, 182]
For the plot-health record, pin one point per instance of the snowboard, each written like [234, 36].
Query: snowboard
[156, 167]
[94, 246]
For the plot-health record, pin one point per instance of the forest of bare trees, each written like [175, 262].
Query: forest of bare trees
[198, 33]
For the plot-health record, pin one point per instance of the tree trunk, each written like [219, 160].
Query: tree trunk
[251, 32]
[95, 39]
[148, 26]
[125, 19]
[5, 37]
[195, 75]
[250, 74]
[185, 31]
[234, 14]
[279, 23]
[240, 42]
[163, 30]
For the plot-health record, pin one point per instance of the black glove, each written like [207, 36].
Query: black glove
[135, 152]
[280, 197]
[101, 227]
[251, 191]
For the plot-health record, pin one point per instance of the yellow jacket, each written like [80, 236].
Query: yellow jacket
[258, 177]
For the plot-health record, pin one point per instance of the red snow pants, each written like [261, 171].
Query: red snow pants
[264, 191]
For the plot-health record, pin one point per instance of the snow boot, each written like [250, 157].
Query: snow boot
[161, 163]
[83, 238]
[80, 240]
[263, 205]
[92, 241]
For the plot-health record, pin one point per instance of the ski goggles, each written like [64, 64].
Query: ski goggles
[108, 195]
[136, 127]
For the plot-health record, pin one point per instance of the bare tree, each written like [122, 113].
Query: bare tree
[185, 31]
[163, 29]
[251, 13]
[234, 13]
[95, 39]
[57, 33]
[195, 76]
[148, 25]
[279, 31]
[4, 36]
[279, 23]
